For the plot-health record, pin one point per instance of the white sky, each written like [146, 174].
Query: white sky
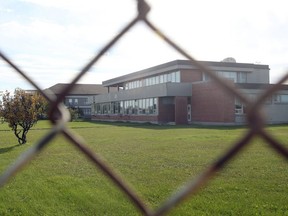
[52, 40]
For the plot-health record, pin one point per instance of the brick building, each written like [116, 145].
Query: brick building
[178, 92]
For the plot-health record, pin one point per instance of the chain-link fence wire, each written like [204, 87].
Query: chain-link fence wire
[59, 117]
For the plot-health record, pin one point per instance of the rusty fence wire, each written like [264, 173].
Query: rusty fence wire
[59, 116]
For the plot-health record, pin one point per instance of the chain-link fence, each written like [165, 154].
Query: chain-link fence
[59, 117]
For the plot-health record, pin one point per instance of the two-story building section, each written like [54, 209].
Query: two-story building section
[80, 96]
[178, 92]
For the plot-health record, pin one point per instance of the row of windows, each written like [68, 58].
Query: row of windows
[163, 78]
[236, 77]
[76, 101]
[149, 106]
[146, 106]
[277, 99]
[280, 98]
[86, 111]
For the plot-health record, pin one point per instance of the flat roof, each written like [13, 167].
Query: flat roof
[182, 64]
[79, 89]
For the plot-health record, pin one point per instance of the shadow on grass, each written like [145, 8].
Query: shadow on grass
[7, 149]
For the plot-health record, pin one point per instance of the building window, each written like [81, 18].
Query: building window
[155, 105]
[228, 75]
[157, 80]
[154, 80]
[236, 77]
[178, 79]
[150, 105]
[117, 108]
[161, 78]
[280, 98]
[165, 78]
[205, 77]
[97, 108]
[86, 111]
[169, 77]
[239, 107]
[140, 106]
[147, 106]
[242, 77]
[121, 107]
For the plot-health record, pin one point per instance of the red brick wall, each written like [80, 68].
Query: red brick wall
[211, 104]
[181, 110]
[166, 112]
[191, 75]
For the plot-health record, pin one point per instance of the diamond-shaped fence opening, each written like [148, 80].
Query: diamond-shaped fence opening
[59, 117]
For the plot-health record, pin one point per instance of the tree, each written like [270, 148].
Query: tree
[21, 111]
[75, 113]
[41, 105]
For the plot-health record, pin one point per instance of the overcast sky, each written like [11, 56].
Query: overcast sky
[53, 39]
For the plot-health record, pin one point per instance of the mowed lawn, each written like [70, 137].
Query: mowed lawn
[155, 161]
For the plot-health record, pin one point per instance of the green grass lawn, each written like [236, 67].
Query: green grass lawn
[155, 160]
